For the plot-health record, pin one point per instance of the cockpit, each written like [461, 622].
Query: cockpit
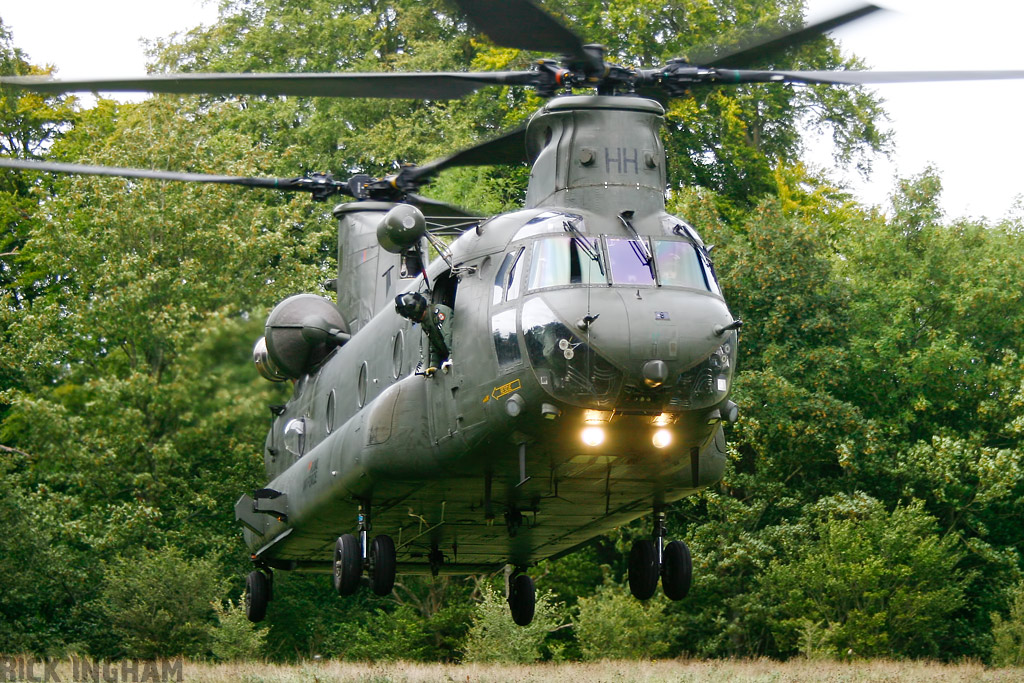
[539, 311]
[565, 255]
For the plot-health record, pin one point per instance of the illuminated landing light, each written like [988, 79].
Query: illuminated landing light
[592, 436]
[662, 438]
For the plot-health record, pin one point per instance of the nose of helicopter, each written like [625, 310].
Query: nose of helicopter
[652, 333]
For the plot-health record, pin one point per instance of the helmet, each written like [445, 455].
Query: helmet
[411, 305]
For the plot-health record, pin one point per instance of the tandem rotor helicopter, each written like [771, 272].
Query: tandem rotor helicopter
[554, 373]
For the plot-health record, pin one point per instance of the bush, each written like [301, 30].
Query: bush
[494, 637]
[160, 604]
[235, 637]
[1008, 634]
[612, 624]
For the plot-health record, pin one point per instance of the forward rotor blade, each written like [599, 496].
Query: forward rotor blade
[317, 185]
[523, 25]
[770, 47]
[435, 86]
[507, 148]
[864, 77]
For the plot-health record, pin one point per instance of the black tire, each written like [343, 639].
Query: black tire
[643, 569]
[257, 594]
[348, 564]
[382, 563]
[522, 599]
[676, 571]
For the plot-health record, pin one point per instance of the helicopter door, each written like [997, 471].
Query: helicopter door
[443, 388]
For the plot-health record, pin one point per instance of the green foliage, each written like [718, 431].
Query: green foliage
[1008, 633]
[611, 624]
[875, 485]
[862, 582]
[235, 637]
[390, 636]
[161, 604]
[494, 637]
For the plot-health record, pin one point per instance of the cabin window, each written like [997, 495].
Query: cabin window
[629, 262]
[561, 261]
[506, 339]
[679, 265]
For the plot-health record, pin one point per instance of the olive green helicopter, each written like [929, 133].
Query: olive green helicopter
[551, 374]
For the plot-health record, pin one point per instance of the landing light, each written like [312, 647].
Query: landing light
[592, 436]
[662, 438]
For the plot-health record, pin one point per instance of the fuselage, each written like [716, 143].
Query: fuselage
[590, 363]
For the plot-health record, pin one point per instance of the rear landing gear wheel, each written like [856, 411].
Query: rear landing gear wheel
[643, 569]
[676, 570]
[257, 594]
[522, 599]
[348, 564]
[381, 559]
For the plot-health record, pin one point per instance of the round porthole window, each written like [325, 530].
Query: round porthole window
[361, 386]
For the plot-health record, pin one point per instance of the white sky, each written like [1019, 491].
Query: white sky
[970, 131]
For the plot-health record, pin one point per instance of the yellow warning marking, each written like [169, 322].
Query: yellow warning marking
[487, 398]
[506, 389]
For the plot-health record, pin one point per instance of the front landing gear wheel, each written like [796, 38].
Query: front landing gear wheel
[348, 564]
[522, 599]
[382, 565]
[257, 594]
[643, 569]
[676, 570]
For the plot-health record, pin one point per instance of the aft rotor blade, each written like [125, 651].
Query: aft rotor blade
[522, 24]
[768, 48]
[315, 185]
[442, 214]
[507, 148]
[442, 85]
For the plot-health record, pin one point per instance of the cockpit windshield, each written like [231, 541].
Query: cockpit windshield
[581, 260]
[629, 264]
[678, 264]
[562, 261]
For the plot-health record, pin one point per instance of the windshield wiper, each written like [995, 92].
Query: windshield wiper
[638, 244]
[583, 243]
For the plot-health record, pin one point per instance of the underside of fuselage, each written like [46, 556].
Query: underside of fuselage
[504, 502]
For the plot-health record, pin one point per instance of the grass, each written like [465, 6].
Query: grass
[712, 671]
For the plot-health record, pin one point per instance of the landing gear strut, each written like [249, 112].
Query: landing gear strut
[651, 559]
[352, 556]
[258, 586]
[522, 598]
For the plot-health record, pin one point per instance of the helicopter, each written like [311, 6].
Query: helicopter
[553, 373]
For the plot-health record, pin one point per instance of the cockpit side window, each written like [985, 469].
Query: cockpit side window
[562, 261]
[515, 276]
[505, 280]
